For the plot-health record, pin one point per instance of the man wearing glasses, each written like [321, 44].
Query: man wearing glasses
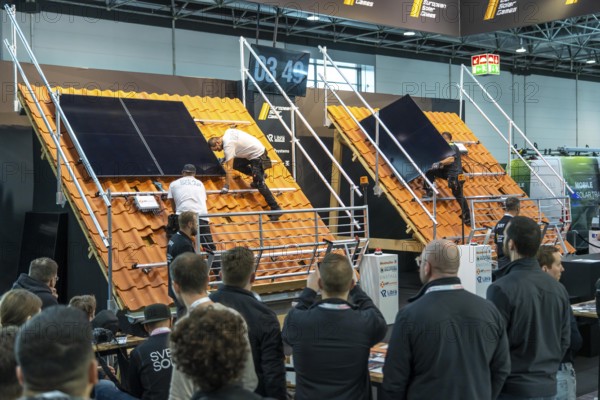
[41, 280]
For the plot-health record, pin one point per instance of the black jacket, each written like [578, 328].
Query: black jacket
[150, 369]
[448, 344]
[331, 340]
[40, 289]
[264, 333]
[537, 314]
[229, 393]
[576, 341]
[178, 244]
[499, 235]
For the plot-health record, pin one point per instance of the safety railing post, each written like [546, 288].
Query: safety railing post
[16, 105]
[111, 304]
[243, 71]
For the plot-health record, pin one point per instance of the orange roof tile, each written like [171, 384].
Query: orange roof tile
[139, 238]
[479, 159]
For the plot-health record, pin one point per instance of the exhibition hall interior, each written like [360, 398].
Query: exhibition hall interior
[315, 199]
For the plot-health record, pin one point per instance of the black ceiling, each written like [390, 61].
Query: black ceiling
[558, 48]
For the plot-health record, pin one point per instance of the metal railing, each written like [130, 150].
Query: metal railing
[354, 189]
[512, 127]
[327, 60]
[56, 138]
[554, 220]
[301, 250]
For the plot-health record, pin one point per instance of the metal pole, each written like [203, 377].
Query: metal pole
[59, 198]
[460, 99]
[377, 153]
[517, 129]
[396, 174]
[510, 135]
[302, 118]
[293, 127]
[434, 216]
[506, 141]
[324, 51]
[49, 127]
[16, 105]
[110, 304]
[385, 128]
[352, 212]
[243, 70]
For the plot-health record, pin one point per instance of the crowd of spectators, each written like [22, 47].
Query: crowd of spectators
[519, 343]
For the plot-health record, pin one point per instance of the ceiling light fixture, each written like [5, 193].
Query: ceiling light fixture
[591, 61]
[521, 49]
[313, 17]
[410, 33]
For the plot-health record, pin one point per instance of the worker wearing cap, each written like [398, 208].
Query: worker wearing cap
[188, 194]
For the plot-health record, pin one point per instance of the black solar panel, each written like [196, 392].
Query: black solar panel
[136, 137]
[414, 132]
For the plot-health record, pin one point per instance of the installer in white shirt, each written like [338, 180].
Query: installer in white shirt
[188, 194]
[246, 154]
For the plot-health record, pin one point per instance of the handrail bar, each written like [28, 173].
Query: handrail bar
[323, 50]
[354, 187]
[58, 147]
[511, 122]
[380, 153]
[56, 102]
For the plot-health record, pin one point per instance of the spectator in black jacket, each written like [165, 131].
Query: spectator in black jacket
[41, 280]
[537, 314]
[264, 332]
[445, 329]
[180, 243]
[550, 261]
[331, 339]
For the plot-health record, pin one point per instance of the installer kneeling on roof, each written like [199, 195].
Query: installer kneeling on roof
[449, 169]
[246, 154]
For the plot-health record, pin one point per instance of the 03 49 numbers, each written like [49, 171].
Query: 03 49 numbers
[293, 72]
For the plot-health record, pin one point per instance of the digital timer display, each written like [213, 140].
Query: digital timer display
[289, 68]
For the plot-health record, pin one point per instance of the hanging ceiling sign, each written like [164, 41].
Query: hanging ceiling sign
[485, 64]
[478, 16]
[448, 17]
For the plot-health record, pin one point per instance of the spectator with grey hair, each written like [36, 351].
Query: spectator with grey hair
[55, 359]
[41, 280]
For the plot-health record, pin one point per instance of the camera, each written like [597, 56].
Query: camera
[101, 335]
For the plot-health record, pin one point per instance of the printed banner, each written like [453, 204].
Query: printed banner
[448, 17]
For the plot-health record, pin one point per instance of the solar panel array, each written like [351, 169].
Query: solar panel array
[414, 132]
[138, 137]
